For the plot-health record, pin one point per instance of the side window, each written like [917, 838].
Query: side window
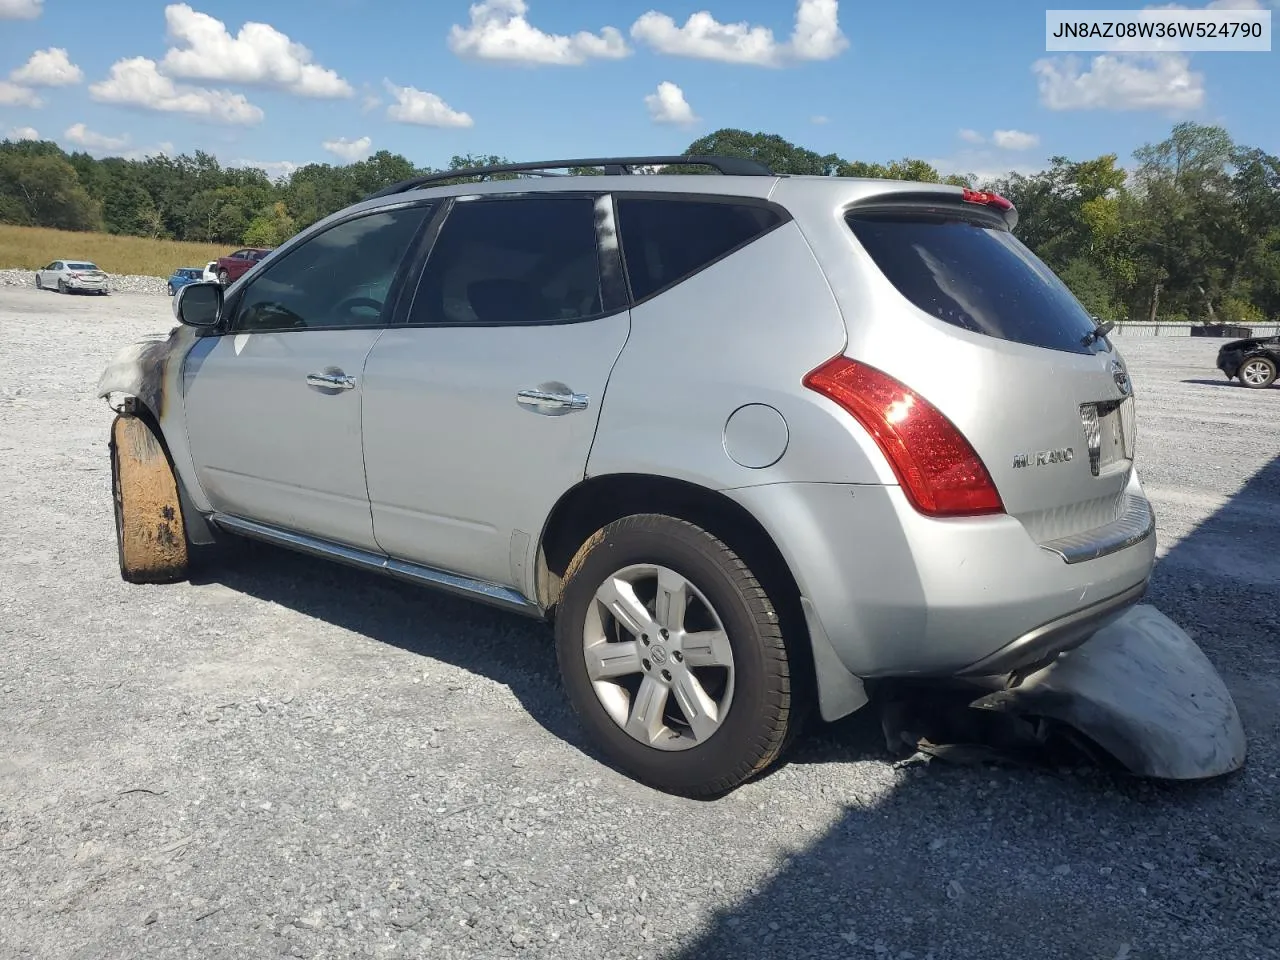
[666, 240]
[57, 265]
[339, 278]
[511, 261]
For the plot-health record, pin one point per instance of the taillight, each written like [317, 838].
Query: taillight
[987, 199]
[939, 471]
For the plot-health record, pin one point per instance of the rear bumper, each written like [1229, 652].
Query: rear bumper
[86, 284]
[899, 594]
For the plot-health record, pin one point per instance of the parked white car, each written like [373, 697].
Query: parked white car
[210, 270]
[67, 276]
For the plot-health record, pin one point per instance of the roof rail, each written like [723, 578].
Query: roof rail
[729, 166]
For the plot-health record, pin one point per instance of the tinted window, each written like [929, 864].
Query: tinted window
[530, 260]
[338, 278]
[976, 276]
[82, 266]
[664, 241]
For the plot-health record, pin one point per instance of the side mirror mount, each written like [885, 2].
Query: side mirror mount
[199, 304]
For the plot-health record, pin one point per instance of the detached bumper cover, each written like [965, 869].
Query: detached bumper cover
[1142, 690]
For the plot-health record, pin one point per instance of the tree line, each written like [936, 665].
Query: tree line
[1189, 230]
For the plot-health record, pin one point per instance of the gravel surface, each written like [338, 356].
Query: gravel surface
[293, 758]
[117, 283]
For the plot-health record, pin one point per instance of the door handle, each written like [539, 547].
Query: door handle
[544, 401]
[331, 381]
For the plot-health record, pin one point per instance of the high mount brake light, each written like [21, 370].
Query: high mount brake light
[939, 471]
[986, 199]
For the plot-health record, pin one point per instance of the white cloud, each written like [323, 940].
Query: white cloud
[1120, 82]
[816, 36]
[13, 95]
[500, 31]
[137, 83]
[259, 54]
[1014, 140]
[81, 135]
[349, 150]
[972, 136]
[370, 103]
[422, 108]
[819, 119]
[24, 133]
[668, 105]
[48, 68]
[1213, 5]
[20, 9]
[274, 169]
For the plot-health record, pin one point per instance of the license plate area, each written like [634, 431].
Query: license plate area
[1110, 429]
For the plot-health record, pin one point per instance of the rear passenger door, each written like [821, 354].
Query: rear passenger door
[480, 409]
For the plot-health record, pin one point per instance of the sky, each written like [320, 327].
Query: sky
[969, 88]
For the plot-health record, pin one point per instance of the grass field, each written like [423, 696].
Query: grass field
[32, 247]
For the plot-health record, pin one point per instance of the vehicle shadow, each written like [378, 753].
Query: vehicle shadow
[939, 860]
[512, 650]
[1028, 861]
[1222, 382]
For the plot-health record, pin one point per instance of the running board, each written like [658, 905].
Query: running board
[489, 593]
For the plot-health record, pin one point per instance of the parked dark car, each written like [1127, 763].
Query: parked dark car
[182, 276]
[233, 266]
[1254, 361]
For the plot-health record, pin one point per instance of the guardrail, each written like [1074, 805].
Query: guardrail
[1142, 328]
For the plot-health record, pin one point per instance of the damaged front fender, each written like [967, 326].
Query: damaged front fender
[1141, 689]
[139, 373]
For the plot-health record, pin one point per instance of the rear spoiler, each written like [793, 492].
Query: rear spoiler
[941, 197]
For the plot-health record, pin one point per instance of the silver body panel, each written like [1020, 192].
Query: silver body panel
[432, 462]
[457, 467]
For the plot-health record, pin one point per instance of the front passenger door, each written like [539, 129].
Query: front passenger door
[273, 404]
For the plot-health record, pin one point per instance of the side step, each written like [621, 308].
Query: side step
[489, 593]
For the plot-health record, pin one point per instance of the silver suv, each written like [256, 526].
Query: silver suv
[747, 440]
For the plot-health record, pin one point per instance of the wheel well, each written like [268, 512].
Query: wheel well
[598, 501]
[198, 530]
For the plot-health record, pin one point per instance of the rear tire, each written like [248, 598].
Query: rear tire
[1258, 373]
[151, 537]
[224, 278]
[62, 287]
[696, 611]
[171, 290]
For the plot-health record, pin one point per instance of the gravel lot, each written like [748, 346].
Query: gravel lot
[294, 758]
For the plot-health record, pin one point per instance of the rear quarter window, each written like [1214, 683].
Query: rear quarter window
[974, 275]
[667, 240]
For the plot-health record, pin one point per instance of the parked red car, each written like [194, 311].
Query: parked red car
[235, 265]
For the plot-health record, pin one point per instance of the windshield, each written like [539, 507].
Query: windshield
[976, 276]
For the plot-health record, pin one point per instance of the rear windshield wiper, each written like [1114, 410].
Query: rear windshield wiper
[1097, 333]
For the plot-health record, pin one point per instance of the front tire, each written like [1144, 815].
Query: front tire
[39, 282]
[151, 536]
[1258, 372]
[671, 653]
[224, 278]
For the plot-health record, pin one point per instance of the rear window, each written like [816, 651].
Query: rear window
[975, 276]
[665, 240]
[82, 266]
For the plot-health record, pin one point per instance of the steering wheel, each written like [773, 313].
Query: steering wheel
[351, 304]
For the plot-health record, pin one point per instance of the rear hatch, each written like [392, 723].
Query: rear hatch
[1007, 354]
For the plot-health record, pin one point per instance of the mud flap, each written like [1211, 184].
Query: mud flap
[1142, 690]
[150, 534]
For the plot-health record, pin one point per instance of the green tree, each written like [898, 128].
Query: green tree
[42, 189]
